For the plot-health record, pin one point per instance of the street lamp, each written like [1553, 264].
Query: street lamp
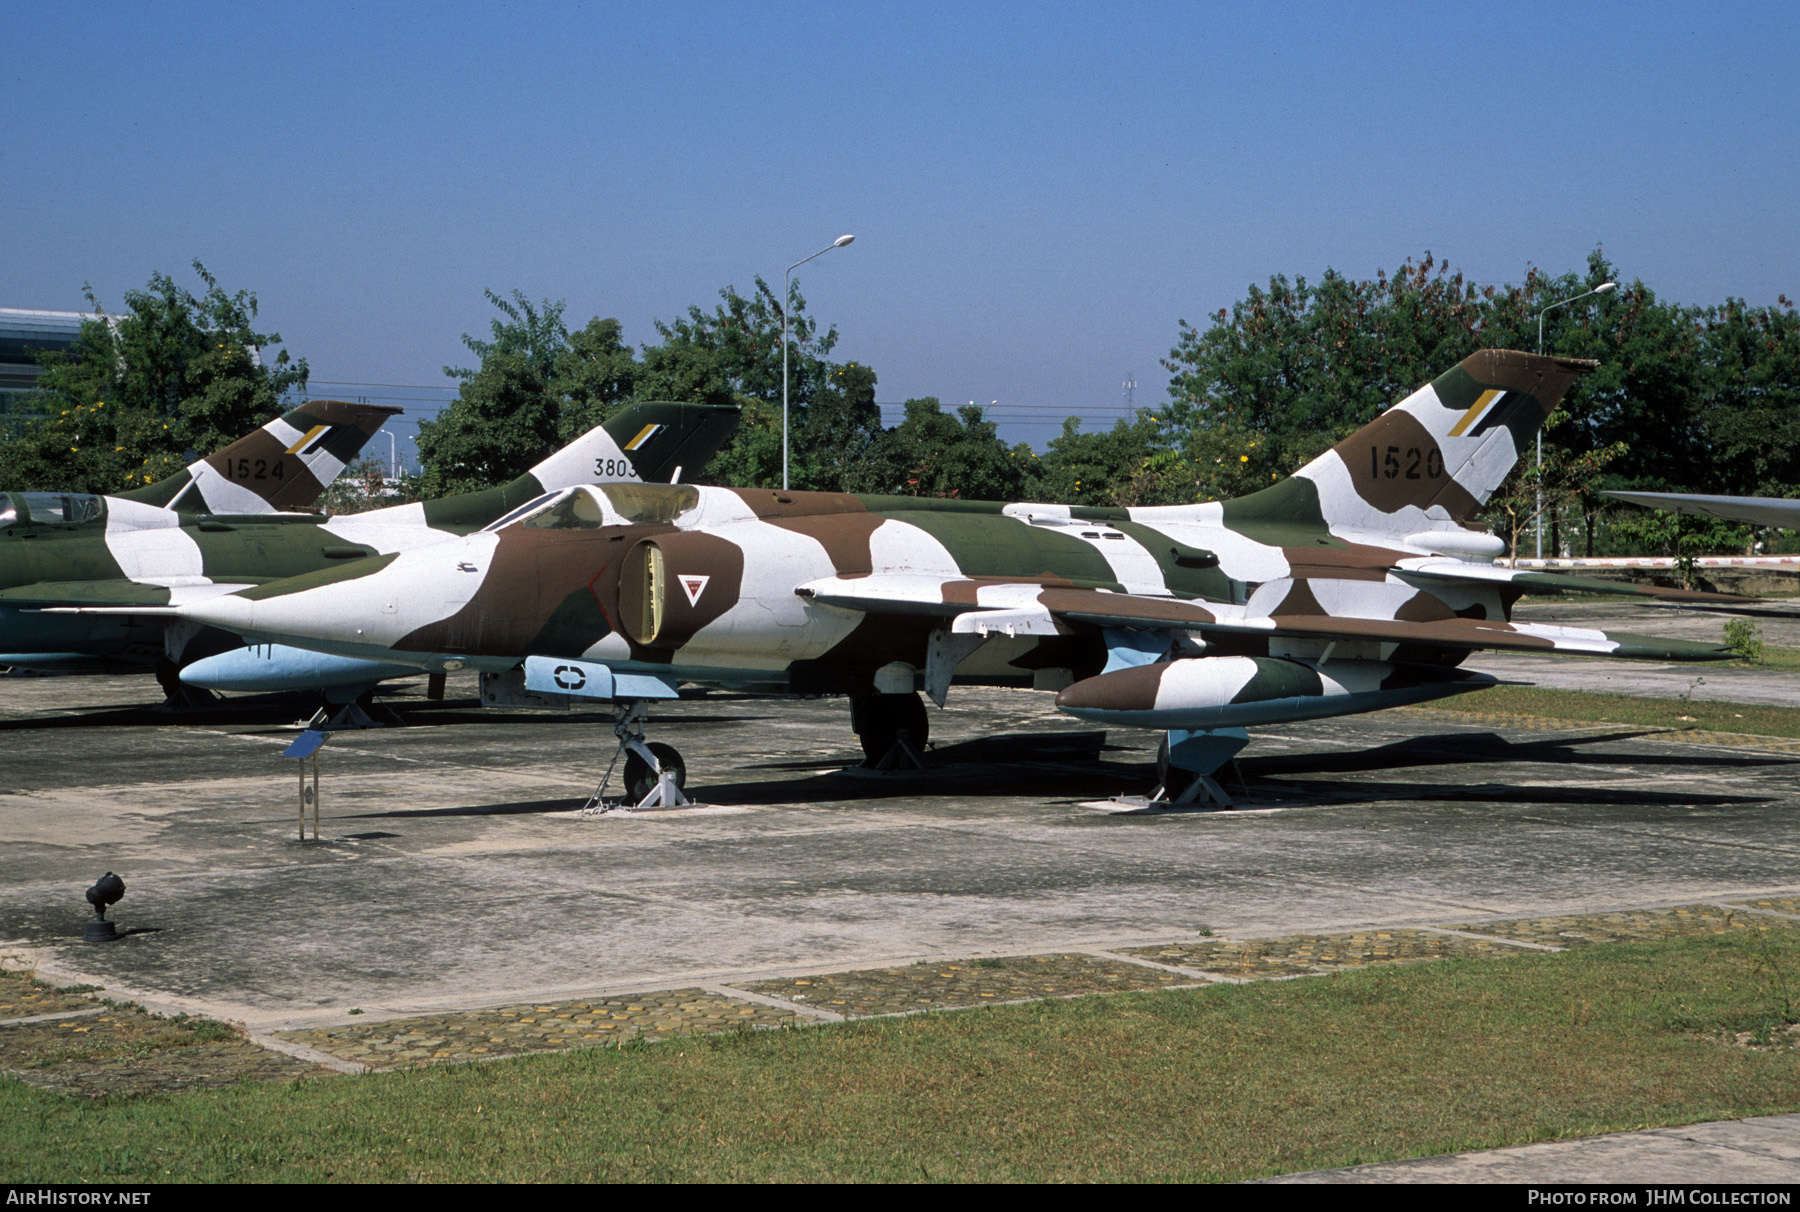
[1598, 290]
[837, 243]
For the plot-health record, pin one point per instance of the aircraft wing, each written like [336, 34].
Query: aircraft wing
[1756, 511]
[983, 608]
[116, 595]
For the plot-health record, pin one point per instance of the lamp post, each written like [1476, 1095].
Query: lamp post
[837, 243]
[1598, 290]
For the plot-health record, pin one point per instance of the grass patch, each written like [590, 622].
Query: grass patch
[1706, 716]
[1767, 656]
[1220, 1083]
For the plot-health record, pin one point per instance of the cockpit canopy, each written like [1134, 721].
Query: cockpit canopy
[51, 508]
[590, 506]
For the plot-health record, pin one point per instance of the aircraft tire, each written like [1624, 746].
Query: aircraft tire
[640, 778]
[880, 719]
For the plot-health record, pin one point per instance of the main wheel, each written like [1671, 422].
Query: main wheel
[881, 719]
[640, 779]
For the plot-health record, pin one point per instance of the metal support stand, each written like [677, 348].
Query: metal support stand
[1204, 790]
[900, 756]
[347, 716]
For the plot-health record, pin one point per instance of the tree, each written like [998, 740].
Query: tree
[502, 422]
[1682, 398]
[960, 456]
[1749, 413]
[1110, 467]
[732, 355]
[134, 399]
[537, 388]
[841, 445]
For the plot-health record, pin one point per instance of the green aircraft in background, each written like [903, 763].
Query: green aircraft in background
[229, 522]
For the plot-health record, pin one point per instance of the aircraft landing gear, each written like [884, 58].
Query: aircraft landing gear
[654, 772]
[177, 694]
[893, 729]
[641, 778]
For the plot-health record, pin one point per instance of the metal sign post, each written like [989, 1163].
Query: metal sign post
[306, 748]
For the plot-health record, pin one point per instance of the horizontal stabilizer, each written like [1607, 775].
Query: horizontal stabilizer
[1530, 581]
[1753, 511]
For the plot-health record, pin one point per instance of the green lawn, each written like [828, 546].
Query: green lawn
[1586, 705]
[1224, 1082]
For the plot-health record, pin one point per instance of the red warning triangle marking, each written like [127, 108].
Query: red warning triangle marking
[694, 587]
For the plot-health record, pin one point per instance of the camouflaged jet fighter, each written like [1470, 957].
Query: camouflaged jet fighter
[58, 547]
[194, 536]
[1360, 582]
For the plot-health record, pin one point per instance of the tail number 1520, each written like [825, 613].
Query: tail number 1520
[1393, 463]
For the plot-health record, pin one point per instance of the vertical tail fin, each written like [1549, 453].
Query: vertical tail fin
[282, 467]
[1438, 455]
[647, 441]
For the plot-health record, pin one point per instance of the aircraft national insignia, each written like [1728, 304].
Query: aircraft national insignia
[694, 587]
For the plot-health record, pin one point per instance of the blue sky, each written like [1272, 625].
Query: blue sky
[1039, 191]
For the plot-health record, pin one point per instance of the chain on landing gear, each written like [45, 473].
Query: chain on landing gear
[654, 772]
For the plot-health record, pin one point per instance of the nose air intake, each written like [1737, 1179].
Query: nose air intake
[643, 593]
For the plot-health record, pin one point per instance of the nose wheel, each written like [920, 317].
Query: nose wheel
[643, 779]
[654, 772]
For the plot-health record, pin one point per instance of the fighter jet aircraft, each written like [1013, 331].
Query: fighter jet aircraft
[1358, 583]
[63, 546]
[197, 535]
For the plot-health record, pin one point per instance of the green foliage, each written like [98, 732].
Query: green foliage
[134, 400]
[1116, 466]
[537, 388]
[1744, 638]
[960, 456]
[842, 446]
[502, 422]
[1300, 361]
[1685, 398]
[1683, 536]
